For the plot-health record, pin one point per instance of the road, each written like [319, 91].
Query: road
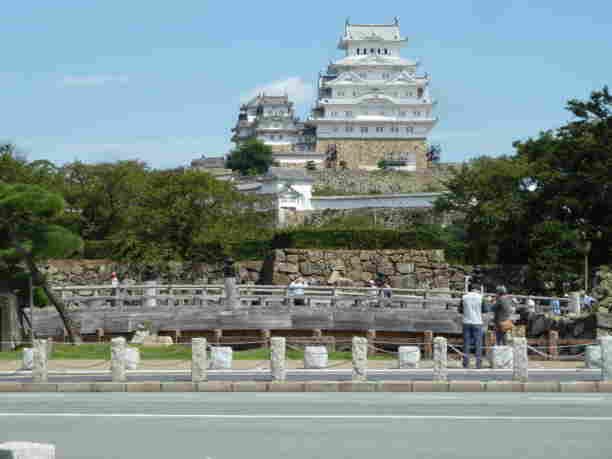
[312, 425]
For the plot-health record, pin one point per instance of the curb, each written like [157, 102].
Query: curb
[316, 386]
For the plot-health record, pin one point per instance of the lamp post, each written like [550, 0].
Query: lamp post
[584, 246]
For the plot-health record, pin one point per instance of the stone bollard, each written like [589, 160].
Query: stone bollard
[428, 347]
[574, 303]
[606, 357]
[360, 358]
[118, 359]
[221, 358]
[315, 357]
[409, 357]
[440, 359]
[199, 360]
[132, 358]
[502, 357]
[277, 356]
[39, 361]
[520, 363]
[592, 356]
[150, 294]
[26, 450]
[27, 358]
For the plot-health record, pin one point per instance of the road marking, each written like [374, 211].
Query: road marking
[566, 399]
[309, 416]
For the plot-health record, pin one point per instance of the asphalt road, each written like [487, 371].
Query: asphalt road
[312, 425]
[319, 375]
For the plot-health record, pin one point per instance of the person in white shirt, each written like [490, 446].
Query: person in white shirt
[296, 288]
[471, 308]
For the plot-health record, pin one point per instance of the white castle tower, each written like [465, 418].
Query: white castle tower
[372, 104]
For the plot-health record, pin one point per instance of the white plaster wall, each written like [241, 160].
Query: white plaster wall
[392, 201]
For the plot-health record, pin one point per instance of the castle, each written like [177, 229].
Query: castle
[371, 105]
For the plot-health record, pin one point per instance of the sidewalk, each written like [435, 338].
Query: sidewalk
[58, 365]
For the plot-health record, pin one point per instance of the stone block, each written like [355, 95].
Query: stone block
[360, 359]
[541, 386]
[11, 387]
[286, 386]
[578, 386]
[132, 358]
[396, 386]
[221, 358]
[315, 357]
[27, 358]
[592, 356]
[75, 387]
[26, 450]
[502, 357]
[467, 386]
[39, 387]
[504, 386]
[604, 386]
[606, 357]
[178, 387]
[109, 387]
[409, 357]
[429, 386]
[321, 386]
[405, 268]
[215, 386]
[145, 386]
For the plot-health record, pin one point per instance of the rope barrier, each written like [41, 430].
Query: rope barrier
[384, 351]
[456, 350]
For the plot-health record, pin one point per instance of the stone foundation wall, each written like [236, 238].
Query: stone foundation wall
[389, 218]
[365, 153]
[405, 269]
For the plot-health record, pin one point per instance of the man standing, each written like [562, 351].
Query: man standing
[502, 309]
[471, 307]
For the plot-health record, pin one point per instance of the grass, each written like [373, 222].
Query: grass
[173, 352]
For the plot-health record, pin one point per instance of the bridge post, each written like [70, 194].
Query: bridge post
[440, 368]
[118, 359]
[278, 360]
[360, 359]
[265, 336]
[39, 361]
[428, 346]
[199, 360]
[520, 360]
[553, 344]
[606, 357]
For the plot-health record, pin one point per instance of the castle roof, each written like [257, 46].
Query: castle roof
[371, 32]
[374, 59]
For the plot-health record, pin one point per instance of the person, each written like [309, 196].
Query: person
[555, 306]
[386, 290]
[296, 288]
[530, 304]
[472, 307]
[502, 310]
[587, 302]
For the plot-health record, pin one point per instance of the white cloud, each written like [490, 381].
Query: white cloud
[93, 80]
[295, 87]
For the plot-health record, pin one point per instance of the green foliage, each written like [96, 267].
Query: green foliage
[381, 164]
[252, 157]
[364, 240]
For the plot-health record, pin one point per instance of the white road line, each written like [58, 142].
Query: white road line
[309, 416]
[566, 399]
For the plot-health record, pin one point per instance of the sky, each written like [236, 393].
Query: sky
[104, 80]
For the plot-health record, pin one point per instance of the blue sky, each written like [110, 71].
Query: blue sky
[163, 81]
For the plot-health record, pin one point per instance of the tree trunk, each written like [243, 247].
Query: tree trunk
[39, 279]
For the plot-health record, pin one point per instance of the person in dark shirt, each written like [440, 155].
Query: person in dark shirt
[502, 310]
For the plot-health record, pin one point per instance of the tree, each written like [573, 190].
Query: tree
[252, 157]
[100, 195]
[27, 223]
[490, 196]
[179, 214]
[571, 171]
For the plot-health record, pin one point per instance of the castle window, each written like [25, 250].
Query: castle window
[335, 129]
[394, 129]
[365, 51]
[358, 51]
[340, 93]
[410, 130]
[348, 114]
[417, 113]
[363, 75]
[386, 51]
[371, 50]
[355, 93]
[280, 137]
[378, 50]
[402, 114]
[386, 76]
[334, 114]
[380, 129]
[349, 129]
[364, 129]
